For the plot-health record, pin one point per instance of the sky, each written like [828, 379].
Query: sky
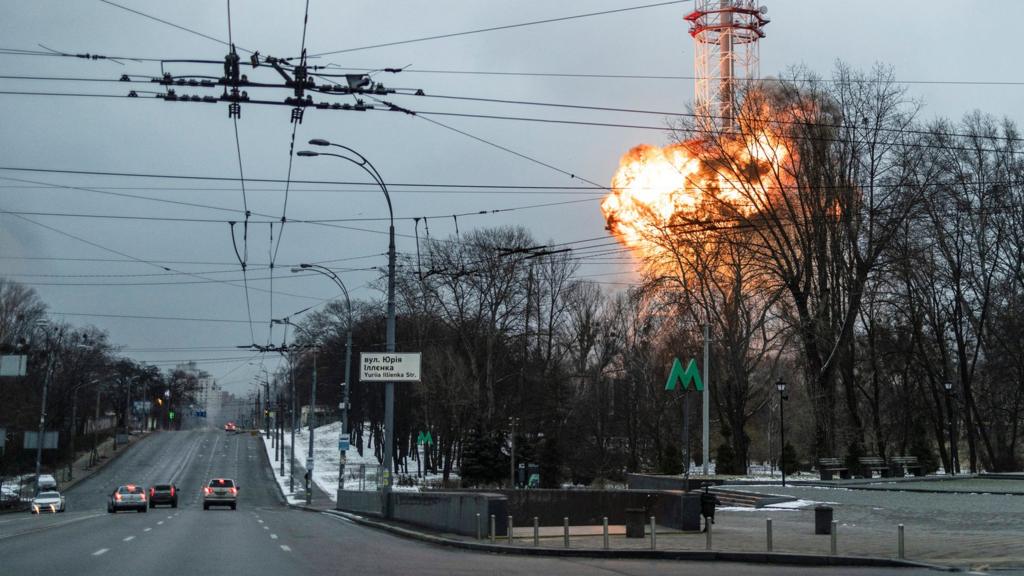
[159, 270]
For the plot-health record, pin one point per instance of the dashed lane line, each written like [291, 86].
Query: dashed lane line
[101, 551]
[147, 529]
[285, 548]
[159, 522]
[128, 539]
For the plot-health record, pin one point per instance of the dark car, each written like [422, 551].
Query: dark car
[163, 494]
[127, 497]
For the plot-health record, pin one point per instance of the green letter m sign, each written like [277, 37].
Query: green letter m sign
[691, 374]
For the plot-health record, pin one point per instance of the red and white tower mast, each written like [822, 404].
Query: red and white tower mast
[726, 34]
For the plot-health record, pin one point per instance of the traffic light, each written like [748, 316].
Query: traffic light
[170, 414]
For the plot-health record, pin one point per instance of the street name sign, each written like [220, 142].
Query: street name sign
[389, 367]
[343, 443]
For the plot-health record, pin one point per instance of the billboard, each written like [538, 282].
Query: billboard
[49, 440]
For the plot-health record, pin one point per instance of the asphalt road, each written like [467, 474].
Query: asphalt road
[263, 537]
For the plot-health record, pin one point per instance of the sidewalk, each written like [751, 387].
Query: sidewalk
[320, 499]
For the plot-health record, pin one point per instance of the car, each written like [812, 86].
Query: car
[49, 501]
[127, 497]
[163, 494]
[220, 492]
[46, 483]
[231, 427]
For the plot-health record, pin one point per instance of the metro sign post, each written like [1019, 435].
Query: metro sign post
[387, 368]
[685, 377]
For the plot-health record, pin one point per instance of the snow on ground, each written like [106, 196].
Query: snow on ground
[792, 506]
[282, 480]
[326, 461]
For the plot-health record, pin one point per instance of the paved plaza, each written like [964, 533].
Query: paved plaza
[957, 523]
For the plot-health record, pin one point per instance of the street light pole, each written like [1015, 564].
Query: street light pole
[389, 387]
[781, 387]
[42, 411]
[952, 428]
[311, 415]
[323, 270]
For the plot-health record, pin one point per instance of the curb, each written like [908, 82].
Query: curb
[637, 554]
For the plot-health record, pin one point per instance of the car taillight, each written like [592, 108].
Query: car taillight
[234, 491]
[151, 492]
[172, 490]
[117, 496]
[143, 496]
[207, 490]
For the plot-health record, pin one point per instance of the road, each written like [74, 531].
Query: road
[263, 537]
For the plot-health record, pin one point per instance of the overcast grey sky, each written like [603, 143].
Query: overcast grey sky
[959, 56]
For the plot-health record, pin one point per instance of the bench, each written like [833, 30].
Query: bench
[828, 466]
[872, 463]
[903, 464]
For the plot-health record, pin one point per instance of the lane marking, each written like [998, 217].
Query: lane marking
[283, 547]
[169, 517]
[147, 529]
[160, 522]
[273, 536]
[266, 527]
[101, 551]
[128, 539]
[260, 521]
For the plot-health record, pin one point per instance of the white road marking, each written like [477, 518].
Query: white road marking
[285, 548]
[266, 527]
[260, 521]
[273, 536]
[129, 539]
[169, 517]
[160, 522]
[101, 551]
[147, 529]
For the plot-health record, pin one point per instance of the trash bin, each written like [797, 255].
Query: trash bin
[822, 519]
[635, 522]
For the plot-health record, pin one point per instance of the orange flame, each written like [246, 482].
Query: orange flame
[656, 187]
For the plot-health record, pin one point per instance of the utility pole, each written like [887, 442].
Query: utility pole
[42, 411]
[280, 427]
[706, 399]
[312, 424]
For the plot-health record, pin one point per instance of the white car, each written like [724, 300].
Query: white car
[47, 502]
[46, 483]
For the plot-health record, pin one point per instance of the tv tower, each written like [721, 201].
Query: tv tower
[726, 34]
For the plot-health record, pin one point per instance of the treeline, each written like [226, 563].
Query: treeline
[88, 379]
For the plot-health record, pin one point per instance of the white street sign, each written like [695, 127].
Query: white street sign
[389, 367]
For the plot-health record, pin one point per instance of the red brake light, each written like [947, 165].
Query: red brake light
[117, 496]
[234, 491]
[206, 490]
[172, 490]
[151, 492]
[143, 496]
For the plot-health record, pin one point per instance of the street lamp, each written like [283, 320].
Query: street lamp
[348, 356]
[44, 326]
[781, 387]
[952, 428]
[389, 387]
[312, 410]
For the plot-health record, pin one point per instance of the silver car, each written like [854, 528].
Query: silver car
[220, 492]
[47, 502]
[127, 497]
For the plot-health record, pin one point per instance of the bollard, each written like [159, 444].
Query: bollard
[510, 529]
[536, 532]
[707, 544]
[493, 531]
[565, 529]
[768, 530]
[604, 523]
[654, 536]
[835, 530]
[479, 529]
[901, 550]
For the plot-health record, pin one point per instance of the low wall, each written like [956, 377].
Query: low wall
[369, 502]
[674, 509]
[659, 482]
[451, 512]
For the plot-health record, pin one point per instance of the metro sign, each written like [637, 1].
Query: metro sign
[691, 374]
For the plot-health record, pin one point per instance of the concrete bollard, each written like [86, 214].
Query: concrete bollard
[536, 532]
[511, 529]
[565, 530]
[604, 523]
[901, 550]
[835, 530]
[479, 528]
[654, 535]
[493, 529]
[707, 543]
[768, 532]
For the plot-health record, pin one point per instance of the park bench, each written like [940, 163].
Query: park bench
[872, 463]
[903, 464]
[828, 466]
